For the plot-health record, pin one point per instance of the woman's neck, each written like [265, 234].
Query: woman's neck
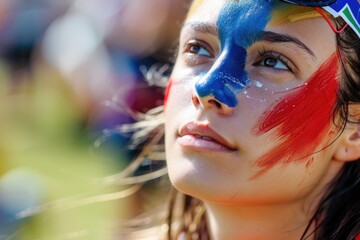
[283, 221]
[272, 222]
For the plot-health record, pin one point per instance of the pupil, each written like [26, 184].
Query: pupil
[194, 49]
[270, 62]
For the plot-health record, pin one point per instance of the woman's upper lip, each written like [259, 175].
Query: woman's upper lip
[205, 131]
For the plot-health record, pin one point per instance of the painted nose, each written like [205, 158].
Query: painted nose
[215, 90]
[210, 103]
[219, 87]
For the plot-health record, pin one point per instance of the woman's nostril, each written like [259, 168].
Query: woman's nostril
[214, 102]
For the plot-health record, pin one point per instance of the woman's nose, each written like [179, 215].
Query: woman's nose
[219, 87]
[210, 103]
[215, 91]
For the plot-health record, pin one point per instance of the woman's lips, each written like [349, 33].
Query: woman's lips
[199, 136]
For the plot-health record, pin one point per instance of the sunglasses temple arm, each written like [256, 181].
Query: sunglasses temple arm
[329, 21]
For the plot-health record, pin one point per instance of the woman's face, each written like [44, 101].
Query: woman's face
[249, 103]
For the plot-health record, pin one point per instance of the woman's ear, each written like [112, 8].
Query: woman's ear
[349, 146]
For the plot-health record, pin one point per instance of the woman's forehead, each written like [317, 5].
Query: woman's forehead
[277, 11]
[243, 23]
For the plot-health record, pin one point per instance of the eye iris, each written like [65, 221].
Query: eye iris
[270, 62]
[194, 49]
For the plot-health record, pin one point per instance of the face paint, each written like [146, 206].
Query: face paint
[240, 25]
[167, 91]
[194, 6]
[302, 119]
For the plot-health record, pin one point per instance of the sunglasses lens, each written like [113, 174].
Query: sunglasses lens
[311, 3]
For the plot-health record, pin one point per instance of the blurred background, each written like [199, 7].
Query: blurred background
[71, 72]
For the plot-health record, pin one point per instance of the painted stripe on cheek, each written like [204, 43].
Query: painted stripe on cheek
[302, 120]
[167, 91]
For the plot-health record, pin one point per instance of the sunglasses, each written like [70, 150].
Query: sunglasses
[318, 4]
[311, 3]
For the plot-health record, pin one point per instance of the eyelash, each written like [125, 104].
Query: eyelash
[264, 54]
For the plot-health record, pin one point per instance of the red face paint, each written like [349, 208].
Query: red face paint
[167, 91]
[302, 119]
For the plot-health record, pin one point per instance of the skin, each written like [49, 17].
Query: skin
[251, 189]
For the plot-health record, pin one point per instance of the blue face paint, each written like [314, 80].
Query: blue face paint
[240, 24]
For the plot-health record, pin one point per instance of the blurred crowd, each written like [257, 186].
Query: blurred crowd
[71, 71]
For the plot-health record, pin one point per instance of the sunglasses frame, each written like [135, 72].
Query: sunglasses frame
[309, 3]
[330, 22]
[318, 7]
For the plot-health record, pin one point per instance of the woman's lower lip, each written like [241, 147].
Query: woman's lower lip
[197, 143]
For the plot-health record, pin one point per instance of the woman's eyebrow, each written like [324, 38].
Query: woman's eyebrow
[277, 37]
[203, 27]
[210, 28]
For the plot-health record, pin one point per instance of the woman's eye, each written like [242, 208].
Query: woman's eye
[273, 63]
[273, 60]
[198, 48]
